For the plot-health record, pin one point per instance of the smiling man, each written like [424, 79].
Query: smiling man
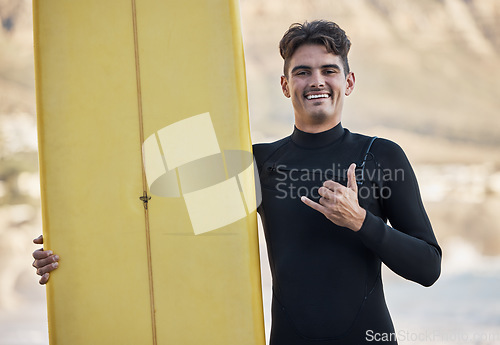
[327, 195]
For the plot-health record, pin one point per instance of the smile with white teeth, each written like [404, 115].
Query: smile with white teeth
[323, 95]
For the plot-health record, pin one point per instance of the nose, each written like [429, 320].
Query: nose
[317, 80]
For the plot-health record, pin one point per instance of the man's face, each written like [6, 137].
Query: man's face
[317, 86]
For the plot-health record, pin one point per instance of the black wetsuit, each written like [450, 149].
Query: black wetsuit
[327, 287]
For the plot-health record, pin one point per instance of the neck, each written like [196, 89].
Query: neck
[317, 140]
[316, 127]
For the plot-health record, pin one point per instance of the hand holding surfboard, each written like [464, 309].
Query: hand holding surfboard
[45, 261]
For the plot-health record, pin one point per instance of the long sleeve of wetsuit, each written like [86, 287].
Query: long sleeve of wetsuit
[409, 247]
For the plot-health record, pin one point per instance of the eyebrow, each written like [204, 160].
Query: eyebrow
[309, 67]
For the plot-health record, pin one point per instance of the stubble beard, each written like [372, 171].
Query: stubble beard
[318, 117]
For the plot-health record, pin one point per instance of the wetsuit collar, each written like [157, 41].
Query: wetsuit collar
[316, 140]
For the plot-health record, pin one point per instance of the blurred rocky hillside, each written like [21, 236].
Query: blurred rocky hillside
[427, 76]
[17, 100]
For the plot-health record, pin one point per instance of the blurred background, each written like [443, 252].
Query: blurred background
[427, 77]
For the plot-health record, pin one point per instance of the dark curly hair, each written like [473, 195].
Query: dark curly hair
[322, 32]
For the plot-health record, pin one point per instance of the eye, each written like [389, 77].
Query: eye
[301, 73]
[330, 71]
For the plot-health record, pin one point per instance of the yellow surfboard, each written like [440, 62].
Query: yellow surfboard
[146, 172]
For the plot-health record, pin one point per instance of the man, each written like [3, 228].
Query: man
[326, 196]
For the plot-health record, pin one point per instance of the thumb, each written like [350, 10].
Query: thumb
[38, 240]
[351, 178]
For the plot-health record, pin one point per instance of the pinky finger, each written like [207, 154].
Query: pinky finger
[44, 279]
[312, 204]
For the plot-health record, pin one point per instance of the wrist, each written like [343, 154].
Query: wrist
[359, 220]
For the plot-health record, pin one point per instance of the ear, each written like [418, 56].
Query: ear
[350, 81]
[284, 86]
